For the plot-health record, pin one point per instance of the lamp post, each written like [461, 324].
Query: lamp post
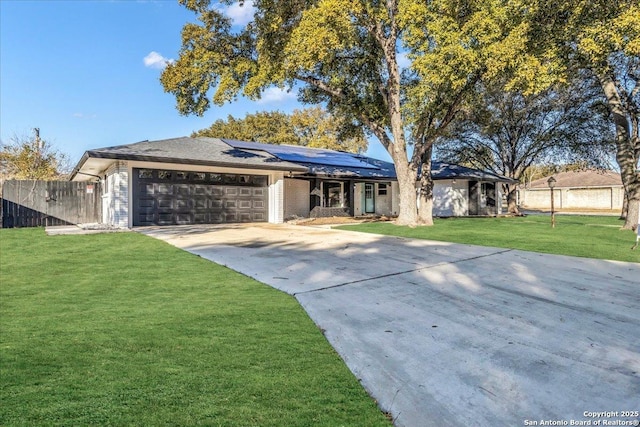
[552, 183]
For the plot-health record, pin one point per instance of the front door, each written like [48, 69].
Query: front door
[369, 198]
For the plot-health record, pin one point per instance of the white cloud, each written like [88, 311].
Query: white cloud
[155, 60]
[275, 94]
[241, 15]
[84, 116]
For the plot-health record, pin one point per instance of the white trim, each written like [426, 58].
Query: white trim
[276, 198]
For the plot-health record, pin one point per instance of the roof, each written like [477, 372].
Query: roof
[299, 154]
[183, 150]
[580, 179]
[441, 170]
[304, 161]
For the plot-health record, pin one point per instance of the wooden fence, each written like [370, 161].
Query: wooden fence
[46, 203]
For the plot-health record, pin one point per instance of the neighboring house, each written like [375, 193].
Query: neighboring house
[590, 189]
[210, 180]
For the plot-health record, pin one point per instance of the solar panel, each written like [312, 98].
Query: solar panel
[291, 153]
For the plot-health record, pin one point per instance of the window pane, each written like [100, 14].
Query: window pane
[165, 174]
[145, 173]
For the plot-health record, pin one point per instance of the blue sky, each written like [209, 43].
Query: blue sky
[87, 74]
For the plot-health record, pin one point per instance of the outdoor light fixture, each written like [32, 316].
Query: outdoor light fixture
[552, 183]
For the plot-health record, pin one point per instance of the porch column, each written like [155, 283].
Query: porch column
[352, 201]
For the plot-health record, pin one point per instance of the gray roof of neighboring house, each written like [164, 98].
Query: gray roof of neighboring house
[580, 179]
[242, 154]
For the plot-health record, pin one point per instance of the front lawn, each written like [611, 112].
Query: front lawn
[583, 236]
[121, 329]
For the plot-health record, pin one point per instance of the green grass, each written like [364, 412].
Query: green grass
[583, 236]
[121, 329]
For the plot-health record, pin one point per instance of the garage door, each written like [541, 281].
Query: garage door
[170, 197]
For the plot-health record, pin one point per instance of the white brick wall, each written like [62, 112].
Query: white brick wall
[296, 198]
[116, 203]
[276, 198]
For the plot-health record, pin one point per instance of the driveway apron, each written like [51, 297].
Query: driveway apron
[444, 334]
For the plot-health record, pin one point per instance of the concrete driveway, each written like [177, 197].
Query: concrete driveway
[445, 334]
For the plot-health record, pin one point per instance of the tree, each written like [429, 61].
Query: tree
[311, 127]
[345, 54]
[316, 128]
[31, 158]
[507, 132]
[268, 127]
[601, 37]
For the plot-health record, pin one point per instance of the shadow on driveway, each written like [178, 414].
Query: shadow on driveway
[446, 334]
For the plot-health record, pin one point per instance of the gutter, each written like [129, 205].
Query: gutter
[76, 169]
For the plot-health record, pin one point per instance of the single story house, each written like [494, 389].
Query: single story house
[211, 180]
[588, 189]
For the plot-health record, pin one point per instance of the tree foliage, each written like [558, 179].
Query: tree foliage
[311, 127]
[31, 158]
[601, 37]
[345, 54]
[507, 132]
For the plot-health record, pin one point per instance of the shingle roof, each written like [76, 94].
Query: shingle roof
[381, 170]
[242, 154]
[185, 150]
[322, 162]
[581, 179]
[441, 170]
[300, 154]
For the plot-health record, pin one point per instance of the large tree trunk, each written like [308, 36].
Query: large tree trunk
[625, 207]
[408, 213]
[633, 212]
[512, 199]
[425, 208]
[626, 151]
[631, 183]
[425, 190]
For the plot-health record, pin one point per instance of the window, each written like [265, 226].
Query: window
[334, 195]
[145, 173]
[181, 176]
[382, 189]
[259, 180]
[487, 194]
[165, 175]
[199, 176]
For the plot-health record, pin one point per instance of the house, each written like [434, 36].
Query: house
[210, 180]
[588, 189]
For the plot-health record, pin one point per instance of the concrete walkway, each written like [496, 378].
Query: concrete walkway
[445, 334]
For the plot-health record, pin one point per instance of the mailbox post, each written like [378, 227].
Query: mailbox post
[552, 183]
